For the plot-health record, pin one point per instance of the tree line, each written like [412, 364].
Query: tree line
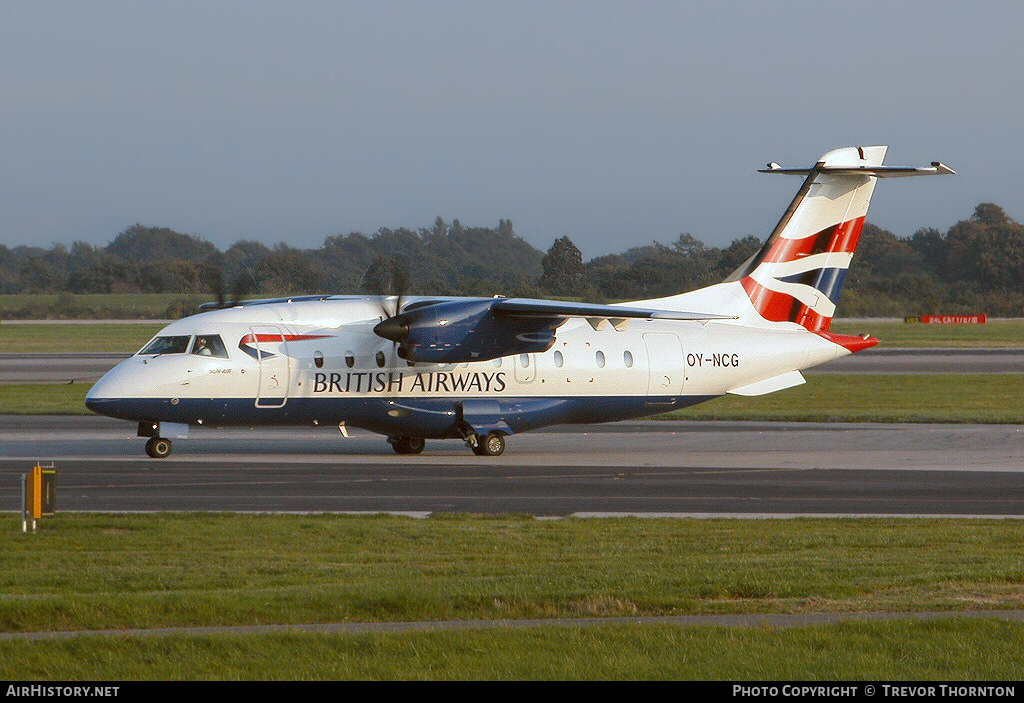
[975, 266]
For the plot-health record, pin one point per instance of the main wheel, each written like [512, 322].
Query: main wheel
[158, 447]
[491, 444]
[404, 444]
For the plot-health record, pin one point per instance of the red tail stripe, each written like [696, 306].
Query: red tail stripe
[847, 235]
[814, 321]
[777, 307]
[782, 307]
[841, 237]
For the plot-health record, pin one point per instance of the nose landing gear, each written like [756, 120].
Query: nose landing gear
[158, 447]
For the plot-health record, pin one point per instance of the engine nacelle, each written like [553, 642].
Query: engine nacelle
[465, 330]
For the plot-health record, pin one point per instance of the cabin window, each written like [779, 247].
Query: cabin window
[497, 362]
[380, 359]
[524, 360]
[600, 360]
[209, 345]
[318, 359]
[627, 359]
[350, 359]
[167, 345]
[559, 360]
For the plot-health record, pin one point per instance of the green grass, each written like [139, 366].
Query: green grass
[975, 398]
[953, 650]
[64, 338]
[99, 306]
[999, 333]
[44, 399]
[125, 571]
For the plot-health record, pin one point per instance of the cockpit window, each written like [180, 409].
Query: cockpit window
[209, 345]
[167, 345]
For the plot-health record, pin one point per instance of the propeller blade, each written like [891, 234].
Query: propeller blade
[387, 278]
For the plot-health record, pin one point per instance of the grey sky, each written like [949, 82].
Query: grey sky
[612, 122]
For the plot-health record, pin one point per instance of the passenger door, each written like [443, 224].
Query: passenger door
[666, 365]
[272, 350]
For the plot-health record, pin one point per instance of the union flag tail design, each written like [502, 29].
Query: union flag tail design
[799, 272]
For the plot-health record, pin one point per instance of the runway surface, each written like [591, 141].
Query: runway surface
[87, 368]
[703, 469]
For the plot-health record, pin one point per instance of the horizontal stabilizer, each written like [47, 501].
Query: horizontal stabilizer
[936, 169]
[524, 307]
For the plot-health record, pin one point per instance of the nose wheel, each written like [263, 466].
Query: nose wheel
[158, 447]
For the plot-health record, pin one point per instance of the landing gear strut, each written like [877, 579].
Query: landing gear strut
[158, 447]
[490, 444]
[404, 444]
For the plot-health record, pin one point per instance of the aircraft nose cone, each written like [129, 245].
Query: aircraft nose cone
[391, 329]
[103, 392]
[109, 393]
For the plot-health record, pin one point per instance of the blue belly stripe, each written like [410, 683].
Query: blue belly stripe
[422, 417]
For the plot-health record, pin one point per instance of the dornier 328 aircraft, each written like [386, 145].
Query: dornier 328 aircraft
[480, 369]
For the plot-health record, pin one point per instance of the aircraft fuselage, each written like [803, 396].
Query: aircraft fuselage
[304, 363]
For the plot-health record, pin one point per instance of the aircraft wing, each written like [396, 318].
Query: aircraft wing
[526, 307]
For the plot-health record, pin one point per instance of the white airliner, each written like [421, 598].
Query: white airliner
[479, 369]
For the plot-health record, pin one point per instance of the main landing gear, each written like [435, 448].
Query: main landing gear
[404, 444]
[490, 444]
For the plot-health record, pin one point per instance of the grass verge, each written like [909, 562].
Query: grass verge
[947, 650]
[99, 306]
[973, 398]
[999, 333]
[223, 569]
[44, 399]
[258, 569]
[63, 338]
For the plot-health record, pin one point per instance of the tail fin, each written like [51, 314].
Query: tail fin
[799, 272]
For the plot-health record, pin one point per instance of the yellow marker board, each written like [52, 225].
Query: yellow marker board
[41, 492]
